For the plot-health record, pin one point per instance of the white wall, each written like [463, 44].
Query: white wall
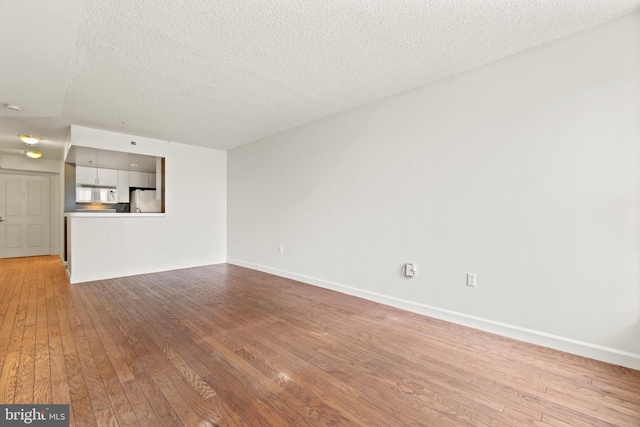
[525, 171]
[191, 233]
[23, 163]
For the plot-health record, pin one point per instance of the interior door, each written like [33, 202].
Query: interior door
[25, 215]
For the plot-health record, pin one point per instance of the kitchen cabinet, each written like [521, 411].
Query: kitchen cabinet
[108, 177]
[85, 175]
[138, 179]
[96, 176]
[123, 186]
[142, 179]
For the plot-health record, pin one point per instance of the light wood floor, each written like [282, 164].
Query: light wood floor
[223, 345]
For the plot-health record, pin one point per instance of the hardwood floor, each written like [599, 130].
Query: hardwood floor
[223, 345]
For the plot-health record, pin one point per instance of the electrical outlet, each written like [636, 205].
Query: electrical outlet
[281, 249]
[471, 280]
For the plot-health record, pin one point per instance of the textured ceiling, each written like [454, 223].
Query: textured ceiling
[225, 73]
[40, 58]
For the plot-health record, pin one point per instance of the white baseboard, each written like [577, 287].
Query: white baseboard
[569, 345]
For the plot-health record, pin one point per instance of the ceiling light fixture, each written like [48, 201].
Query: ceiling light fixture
[13, 107]
[34, 154]
[133, 164]
[29, 139]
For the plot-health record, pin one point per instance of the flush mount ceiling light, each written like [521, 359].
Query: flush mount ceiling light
[133, 164]
[13, 107]
[34, 154]
[29, 139]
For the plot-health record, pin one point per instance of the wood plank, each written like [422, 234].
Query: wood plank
[42, 375]
[26, 369]
[58, 375]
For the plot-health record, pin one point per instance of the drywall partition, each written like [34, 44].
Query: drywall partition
[525, 172]
[191, 233]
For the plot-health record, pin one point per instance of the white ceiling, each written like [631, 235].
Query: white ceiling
[37, 43]
[224, 73]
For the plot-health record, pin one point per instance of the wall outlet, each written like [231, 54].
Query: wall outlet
[471, 280]
[281, 249]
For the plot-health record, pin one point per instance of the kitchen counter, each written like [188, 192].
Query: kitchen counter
[113, 214]
[133, 243]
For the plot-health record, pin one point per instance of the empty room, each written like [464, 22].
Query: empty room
[357, 213]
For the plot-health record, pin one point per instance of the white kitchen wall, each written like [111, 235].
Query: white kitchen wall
[191, 233]
[525, 172]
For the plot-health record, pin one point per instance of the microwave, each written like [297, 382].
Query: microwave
[105, 195]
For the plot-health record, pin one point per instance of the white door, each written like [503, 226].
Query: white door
[25, 216]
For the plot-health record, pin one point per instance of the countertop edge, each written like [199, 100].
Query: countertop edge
[113, 215]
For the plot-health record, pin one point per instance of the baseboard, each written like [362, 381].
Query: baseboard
[569, 345]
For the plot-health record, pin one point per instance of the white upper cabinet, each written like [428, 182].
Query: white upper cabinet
[138, 179]
[94, 176]
[108, 177]
[123, 186]
[86, 175]
[142, 179]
